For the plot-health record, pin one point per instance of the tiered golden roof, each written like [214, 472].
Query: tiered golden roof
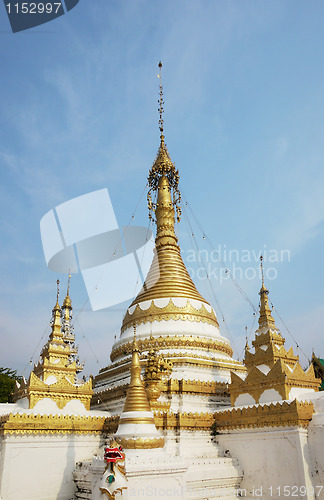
[54, 376]
[271, 366]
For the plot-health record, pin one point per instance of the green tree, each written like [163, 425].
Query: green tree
[7, 384]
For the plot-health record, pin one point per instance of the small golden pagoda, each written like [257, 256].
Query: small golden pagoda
[55, 375]
[273, 373]
[136, 425]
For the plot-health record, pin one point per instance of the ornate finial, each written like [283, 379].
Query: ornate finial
[135, 346]
[265, 313]
[67, 304]
[163, 168]
[161, 102]
[57, 306]
[68, 286]
[264, 289]
[56, 316]
[261, 267]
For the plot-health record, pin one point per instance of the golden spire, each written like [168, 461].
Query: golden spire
[163, 166]
[56, 333]
[136, 398]
[168, 276]
[265, 318]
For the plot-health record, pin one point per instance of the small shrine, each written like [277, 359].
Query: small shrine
[55, 375]
[273, 373]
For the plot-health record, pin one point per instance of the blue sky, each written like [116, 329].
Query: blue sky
[244, 99]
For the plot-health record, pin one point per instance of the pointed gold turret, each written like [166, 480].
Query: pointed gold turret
[265, 318]
[54, 376]
[136, 425]
[67, 304]
[136, 399]
[56, 334]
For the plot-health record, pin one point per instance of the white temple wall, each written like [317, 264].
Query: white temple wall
[272, 459]
[316, 441]
[41, 465]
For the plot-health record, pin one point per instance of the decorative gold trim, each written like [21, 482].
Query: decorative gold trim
[141, 443]
[52, 424]
[268, 337]
[288, 413]
[183, 358]
[172, 386]
[164, 342]
[169, 312]
[136, 420]
[183, 421]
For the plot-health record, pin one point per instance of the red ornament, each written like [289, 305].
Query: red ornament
[113, 454]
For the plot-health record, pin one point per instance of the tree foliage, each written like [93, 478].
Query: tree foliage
[7, 384]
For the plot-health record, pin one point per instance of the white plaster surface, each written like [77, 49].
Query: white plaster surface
[270, 395]
[299, 393]
[271, 459]
[51, 380]
[40, 467]
[316, 440]
[130, 430]
[264, 369]
[244, 399]
[173, 327]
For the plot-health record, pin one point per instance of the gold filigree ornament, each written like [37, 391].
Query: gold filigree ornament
[141, 443]
[175, 342]
[183, 421]
[163, 166]
[157, 368]
[169, 312]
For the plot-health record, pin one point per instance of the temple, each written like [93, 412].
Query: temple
[173, 414]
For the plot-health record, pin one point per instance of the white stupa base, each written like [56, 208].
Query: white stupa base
[158, 474]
